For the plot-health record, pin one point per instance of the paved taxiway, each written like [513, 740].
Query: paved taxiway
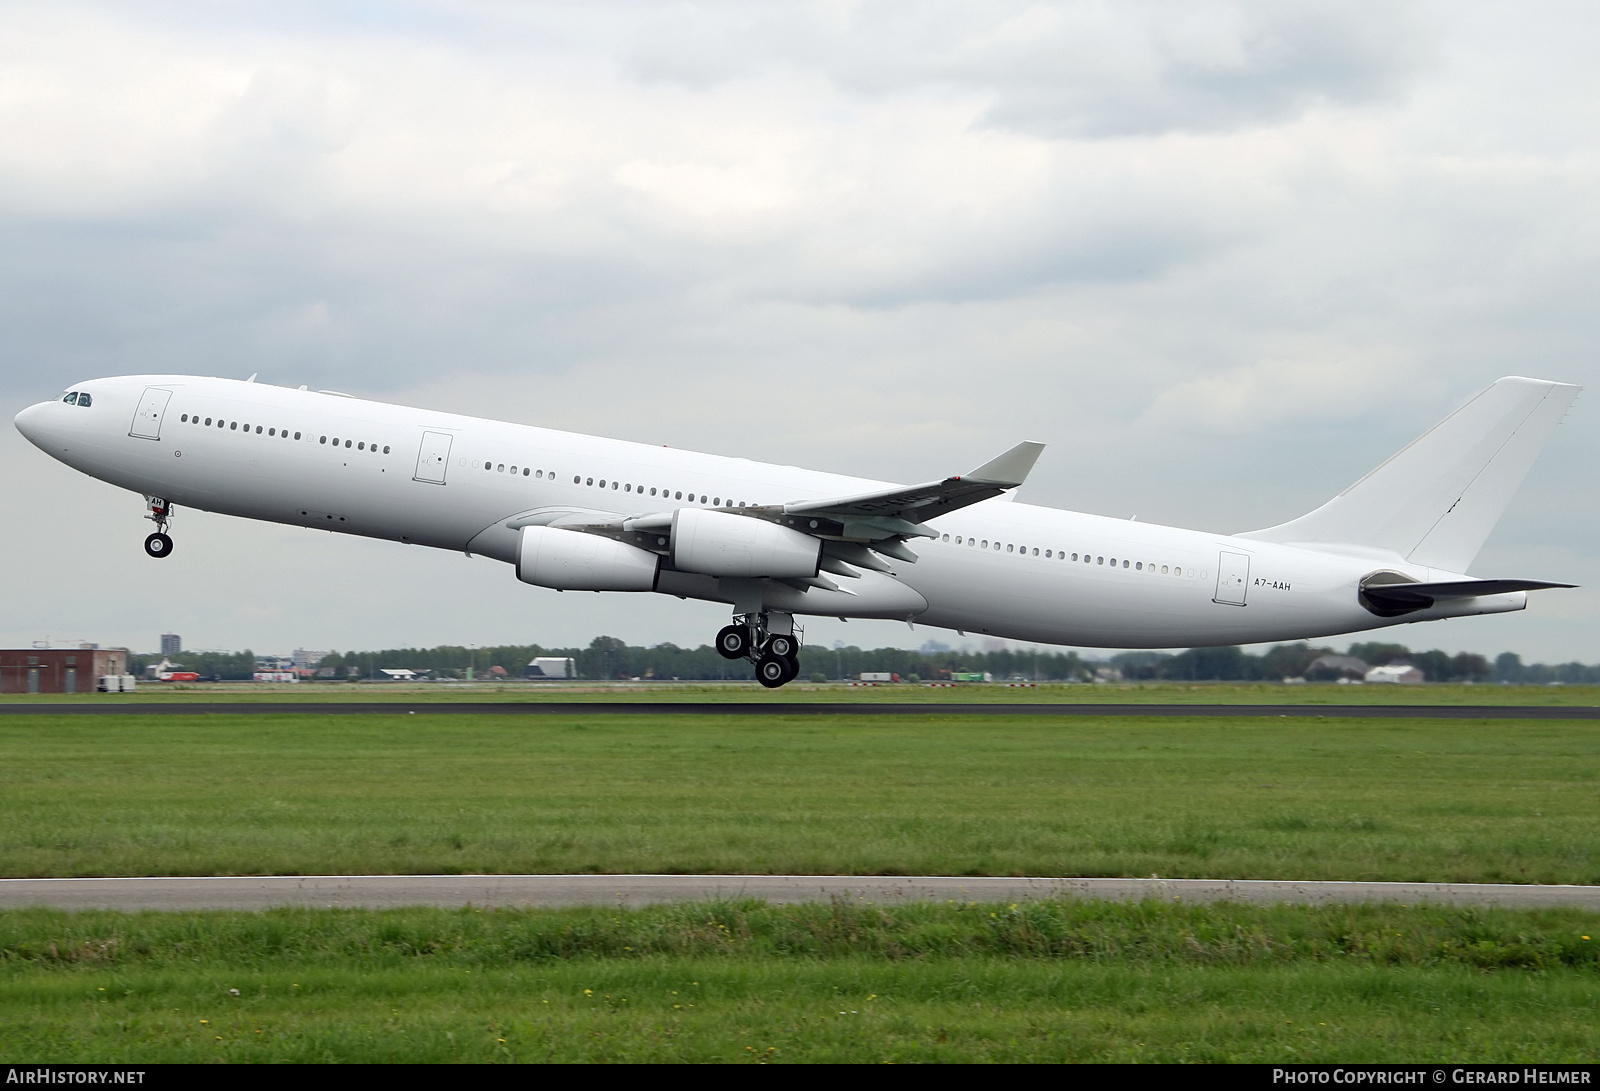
[818, 708]
[449, 891]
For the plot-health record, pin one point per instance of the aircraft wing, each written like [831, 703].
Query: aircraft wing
[850, 526]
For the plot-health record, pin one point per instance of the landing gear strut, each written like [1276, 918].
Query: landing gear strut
[159, 544]
[768, 640]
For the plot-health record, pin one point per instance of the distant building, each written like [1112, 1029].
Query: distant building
[304, 660]
[398, 674]
[171, 644]
[1325, 667]
[1402, 673]
[550, 666]
[60, 670]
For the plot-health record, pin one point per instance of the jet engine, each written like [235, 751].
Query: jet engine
[570, 560]
[719, 543]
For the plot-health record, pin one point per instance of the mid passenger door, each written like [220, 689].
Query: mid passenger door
[147, 418]
[434, 458]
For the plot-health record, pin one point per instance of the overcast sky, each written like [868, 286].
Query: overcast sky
[1222, 257]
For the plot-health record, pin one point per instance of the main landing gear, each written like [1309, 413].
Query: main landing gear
[159, 544]
[767, 640]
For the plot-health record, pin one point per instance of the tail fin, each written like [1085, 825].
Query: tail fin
[1436, 501]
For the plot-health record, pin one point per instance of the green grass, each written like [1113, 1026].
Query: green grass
[1254, 693]
[1042, 981]
[1408, 800]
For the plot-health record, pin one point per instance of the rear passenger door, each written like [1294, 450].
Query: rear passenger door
[1233, 579]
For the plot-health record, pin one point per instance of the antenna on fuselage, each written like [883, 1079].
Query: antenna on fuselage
[253, 375]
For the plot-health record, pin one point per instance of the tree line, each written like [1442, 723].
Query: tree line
[607, 657]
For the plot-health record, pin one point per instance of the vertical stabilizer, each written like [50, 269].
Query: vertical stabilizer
[1436, 501]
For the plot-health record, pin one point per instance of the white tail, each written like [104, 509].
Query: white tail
[1436, 501]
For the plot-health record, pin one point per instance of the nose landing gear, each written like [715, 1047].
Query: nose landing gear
[158, 544]
[768, 640]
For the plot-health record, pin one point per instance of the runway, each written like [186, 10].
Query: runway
[546, 891]
[808, 708]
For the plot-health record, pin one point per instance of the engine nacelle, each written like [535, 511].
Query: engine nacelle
[718, 543]
[570, 560]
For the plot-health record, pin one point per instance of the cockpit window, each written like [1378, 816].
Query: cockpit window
[84, 399]
[70, 399]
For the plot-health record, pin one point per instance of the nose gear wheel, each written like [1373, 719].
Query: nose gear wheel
[158, 544]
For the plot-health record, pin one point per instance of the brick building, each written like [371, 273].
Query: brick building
[57, 670]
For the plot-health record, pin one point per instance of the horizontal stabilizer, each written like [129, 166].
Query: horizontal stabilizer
[1392, 599]
[1436, 501]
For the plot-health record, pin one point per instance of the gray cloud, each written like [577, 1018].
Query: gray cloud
[1063, 70]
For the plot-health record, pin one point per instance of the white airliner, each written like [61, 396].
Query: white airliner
[580, 513]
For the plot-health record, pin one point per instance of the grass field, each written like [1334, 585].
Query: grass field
[1463, 800]
[1257, 693]
[1044, 981]
[1413, 800]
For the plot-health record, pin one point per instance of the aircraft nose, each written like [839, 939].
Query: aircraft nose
[30, 422]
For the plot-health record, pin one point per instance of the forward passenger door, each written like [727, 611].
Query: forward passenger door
[147, 418]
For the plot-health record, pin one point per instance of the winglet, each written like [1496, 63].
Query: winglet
[1010, 469]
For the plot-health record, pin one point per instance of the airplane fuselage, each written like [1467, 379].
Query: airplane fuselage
[417, 476]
